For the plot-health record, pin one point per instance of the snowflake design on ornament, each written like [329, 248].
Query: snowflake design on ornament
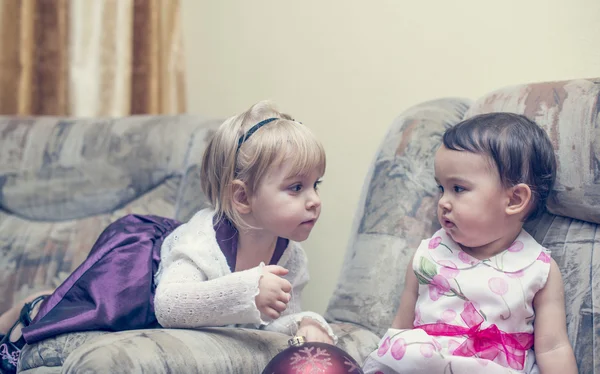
[310, 363]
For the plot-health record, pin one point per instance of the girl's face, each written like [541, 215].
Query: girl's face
[473, 201]
[287, 206]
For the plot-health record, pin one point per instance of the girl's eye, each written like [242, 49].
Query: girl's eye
[458, 189]
[317, 183]
[440, 189]
[296, 187]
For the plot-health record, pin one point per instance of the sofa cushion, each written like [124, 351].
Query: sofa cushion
[54, 169]
[574, 245]
[62, 181]
[51, 353]
[569, 111]
[394, 215]
[210, 350]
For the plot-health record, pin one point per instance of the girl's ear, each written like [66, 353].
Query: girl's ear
[518, 199]
[240, 198]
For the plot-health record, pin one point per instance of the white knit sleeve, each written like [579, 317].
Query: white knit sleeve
[186, 299]
[290, 319]
[195, 287]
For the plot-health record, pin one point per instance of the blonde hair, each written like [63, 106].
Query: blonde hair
[278, 141]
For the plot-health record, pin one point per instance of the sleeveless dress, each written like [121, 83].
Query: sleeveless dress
[471, 315]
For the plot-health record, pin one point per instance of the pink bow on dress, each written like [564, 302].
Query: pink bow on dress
[485, 343]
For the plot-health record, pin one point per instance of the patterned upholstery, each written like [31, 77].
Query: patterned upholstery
[62, 181]
[210, 350]
[397, 208]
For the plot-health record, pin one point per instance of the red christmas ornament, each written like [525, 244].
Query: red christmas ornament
[312, 358]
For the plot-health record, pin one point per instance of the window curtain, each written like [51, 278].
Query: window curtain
[90, 58]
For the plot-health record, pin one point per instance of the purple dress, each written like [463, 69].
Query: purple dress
[113, 289]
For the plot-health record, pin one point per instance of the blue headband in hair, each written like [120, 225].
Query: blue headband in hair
[252, 130]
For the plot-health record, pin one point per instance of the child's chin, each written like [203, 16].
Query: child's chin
[299, 238]
[455, 238]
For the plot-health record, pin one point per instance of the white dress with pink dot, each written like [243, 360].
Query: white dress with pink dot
[471, 316]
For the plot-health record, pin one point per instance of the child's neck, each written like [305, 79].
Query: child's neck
[254, 247]
[495, 247]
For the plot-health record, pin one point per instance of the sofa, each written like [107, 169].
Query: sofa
[62, 180]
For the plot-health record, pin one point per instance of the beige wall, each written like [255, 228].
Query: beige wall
[346, 68]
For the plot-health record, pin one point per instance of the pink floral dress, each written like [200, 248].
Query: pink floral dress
[471, 316]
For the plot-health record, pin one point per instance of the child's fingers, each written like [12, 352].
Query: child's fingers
[279, 306]
[276, 269]
[286, 286]
[271, 313]
[284, 297]
[315, 334]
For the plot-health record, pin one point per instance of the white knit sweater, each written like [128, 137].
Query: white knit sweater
[195, 287]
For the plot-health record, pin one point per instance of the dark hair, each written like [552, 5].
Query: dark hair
[520, 149]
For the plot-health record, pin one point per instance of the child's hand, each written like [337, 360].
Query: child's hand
[273, 295]
[313, 331]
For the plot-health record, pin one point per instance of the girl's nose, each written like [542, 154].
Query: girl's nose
[313, 201]
[444, 203]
